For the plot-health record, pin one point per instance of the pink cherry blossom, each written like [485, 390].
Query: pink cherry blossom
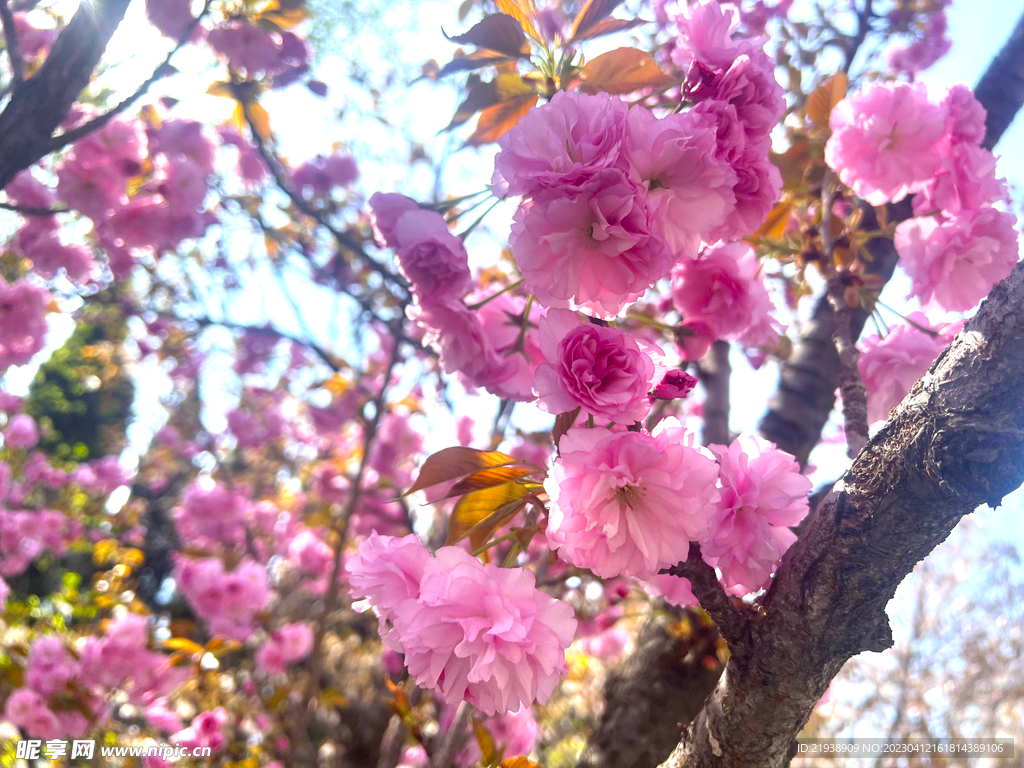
[386, 571]
[291, 642]
[385, 210]
[749, 85]
[322, 174]
[723, 288]
[705, 35]
[213, 515]
[966, 122]
[887, 140]
[227, 600]
[922, 53]
[434, 260]
[184, 140]
[966, 179]
[27, 191]
[27, 710]
[248, 47]
[206, 730]
[21, 432]
[310, 554]
[35, 41]
[892, 364]
[675, 589]
[483, 634]
[675, 385]
[957, 262]
[516, 343]
[591, 247]
[604, 371]
[629, 503]
[762, 495]
[561, 143]
[171, 17]
[23, 308]
[39, 240]
[689, 186]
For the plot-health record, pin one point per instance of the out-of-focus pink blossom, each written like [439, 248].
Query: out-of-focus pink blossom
[762, 495]
[920, 54]
[209, 516]
[23, 308]
[286, 644]
[171, 17]
[629, 503]
[206, 730]
[966, 116]
[21, 432]
[957, 262]
[227, 600]
[322, 174]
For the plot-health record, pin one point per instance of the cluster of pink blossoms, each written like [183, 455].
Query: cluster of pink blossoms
[23, 308]
[630, 504]
[228, 600]
[471, 631]
[890, 365]
[209, 516]
[119, 659]
[286, 644]
[890, 140]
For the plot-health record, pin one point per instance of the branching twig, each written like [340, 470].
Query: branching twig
[454, 739]
[733, 621]
[863, 28]
[851, 385]
[331, 597]
[70, 137]
[28, 210]
[13, 45]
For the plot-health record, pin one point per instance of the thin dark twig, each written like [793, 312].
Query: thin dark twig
[341, 529]
[277, 170]
[855, 42]
[13, 45]
[70, 137]
[734, 622]
[28, 210]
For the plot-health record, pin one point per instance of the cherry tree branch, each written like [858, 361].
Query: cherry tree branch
[954, 443]
[713, 371]
[41, 103]
[735, 622]
[454, 739]
[1001, 89]
[162, 71]
[27, 210]
[13, 44]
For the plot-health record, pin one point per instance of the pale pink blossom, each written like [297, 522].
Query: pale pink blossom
[887, 140]
[21, 432]
[957, 262]
[483, 634]
[35, 41]
[675, 589]
[629, 503]
[561, 143]
[516, 342]
[966, 179]
[184, 140]
[966, 122]
[705, 35]
[603, 370]
[227, 600]
[208, 516]
[27, 709]
[387, 571]
[23, 308]
[515, 732]
[920, 54]
[286, 644]
[724, 289]
[386, 208]
[322, 174]
[590, 247]
[890, 365]
[763, 493]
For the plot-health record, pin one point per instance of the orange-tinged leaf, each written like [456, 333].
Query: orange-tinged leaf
[480, 513]
[592, 12]
[283, 18]
[489, 478]
[621, 71]
[523, 11]
[608, 27]
[221, 89]
[184, 645]
[258, 117]
[824, 98]
[482, 95]
[488, 749]
[495, 121]
[497, 32]
[775, 224]
[519, 762]
[455, 463]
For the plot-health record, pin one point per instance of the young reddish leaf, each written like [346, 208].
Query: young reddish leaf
[825, 97]
[455, 463]
[495, 121]
[623, 70]
[563, 423]
[471, 61]
[592, 12]
[775, 223]
[480, 513]
[482, 95]
[497, 32]
[523, 11]
[184, 645]
[488, 749]
[519, 762]
[489, 478]
[608, 27]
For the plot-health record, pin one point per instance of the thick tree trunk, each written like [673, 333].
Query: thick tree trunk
[954, 443]
[39, 104]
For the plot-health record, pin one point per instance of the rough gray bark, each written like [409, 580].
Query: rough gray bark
[954, 443]
[713, 372]
[1001, 88]
[39, 104]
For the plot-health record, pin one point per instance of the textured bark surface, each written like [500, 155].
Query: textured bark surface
[954, 443]
[714, 372]
[667, 674]
[1001, 88]
[40, 103]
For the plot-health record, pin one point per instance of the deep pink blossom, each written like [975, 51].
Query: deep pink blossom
[887, 140]
[892, 364]
[958, 261]
[629, 503]
[762, 495]
[561, 143]
[27, 709]
[591, 247]
[749, 85]
[603, 370]
[248, 47]
[206, 730]
[517, 343]
[675, 385]
[25, 190]
[483, 634]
